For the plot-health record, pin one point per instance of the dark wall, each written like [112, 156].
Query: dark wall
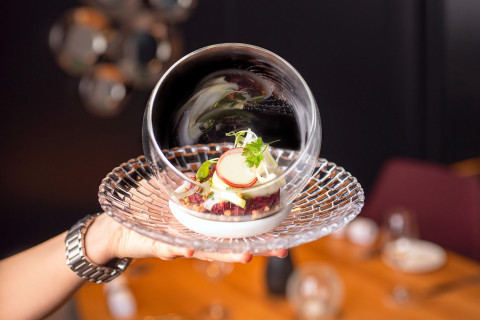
[461, 99]
[390, 78]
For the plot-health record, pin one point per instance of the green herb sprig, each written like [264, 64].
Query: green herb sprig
[253, 150]
[204, 169]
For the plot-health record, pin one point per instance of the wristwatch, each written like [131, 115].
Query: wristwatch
[79, 261]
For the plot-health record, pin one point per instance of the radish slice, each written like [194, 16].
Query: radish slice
[233, 170]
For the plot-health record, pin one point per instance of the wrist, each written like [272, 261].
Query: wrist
[97, 246]
[92, 268]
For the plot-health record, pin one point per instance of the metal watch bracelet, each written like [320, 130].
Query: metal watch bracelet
[79, 261]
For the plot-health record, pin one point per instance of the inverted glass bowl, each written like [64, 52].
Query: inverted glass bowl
[223, 88]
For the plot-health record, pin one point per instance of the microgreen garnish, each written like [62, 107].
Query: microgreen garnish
[253, 148]
[239, 137]
[204, 169]
[253, 152]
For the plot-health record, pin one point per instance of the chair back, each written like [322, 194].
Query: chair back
[446, 205]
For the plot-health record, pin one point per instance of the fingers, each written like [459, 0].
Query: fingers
[281, 253]
[168, 252]
[224, 257]
[125, 242]
[238, 257]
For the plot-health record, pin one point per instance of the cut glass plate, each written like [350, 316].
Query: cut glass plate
[332, 198]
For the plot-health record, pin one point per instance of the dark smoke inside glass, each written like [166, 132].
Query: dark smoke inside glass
[202, 100]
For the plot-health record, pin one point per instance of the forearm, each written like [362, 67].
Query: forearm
[37, 281]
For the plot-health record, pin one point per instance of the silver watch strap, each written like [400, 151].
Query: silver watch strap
[79, 261]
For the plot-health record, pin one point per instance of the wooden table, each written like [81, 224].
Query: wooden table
[176, 287]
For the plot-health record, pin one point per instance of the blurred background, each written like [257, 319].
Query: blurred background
[391, 78]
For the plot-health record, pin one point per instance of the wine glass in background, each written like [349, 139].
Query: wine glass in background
[400, 234]
[214, 272]
[120, 299]
[315, 291]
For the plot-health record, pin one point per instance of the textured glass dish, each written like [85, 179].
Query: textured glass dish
[226, 88]
[331, 198]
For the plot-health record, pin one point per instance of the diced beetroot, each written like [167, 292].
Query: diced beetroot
[257, 203]
[195, 198]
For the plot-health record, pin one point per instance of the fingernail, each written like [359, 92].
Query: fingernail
[247, 258]
[284, 254]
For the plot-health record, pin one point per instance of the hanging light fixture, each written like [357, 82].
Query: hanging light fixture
[116, 46]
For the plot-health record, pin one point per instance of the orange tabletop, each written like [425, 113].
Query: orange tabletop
[179, 290]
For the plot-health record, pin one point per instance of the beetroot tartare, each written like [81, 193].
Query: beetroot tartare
[223, 184]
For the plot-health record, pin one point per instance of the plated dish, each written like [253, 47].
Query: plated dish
[418, 256]
[221, 186]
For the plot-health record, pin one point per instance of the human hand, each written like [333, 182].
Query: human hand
[107, 239]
